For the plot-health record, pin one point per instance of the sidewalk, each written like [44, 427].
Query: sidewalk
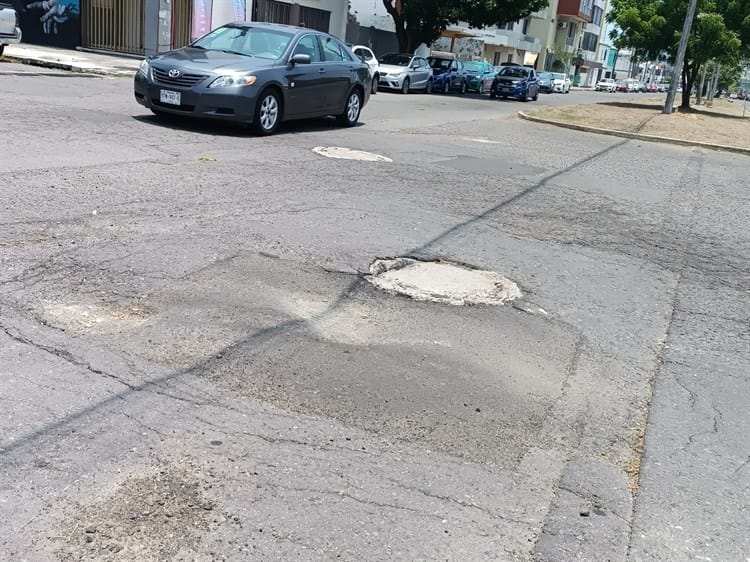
[76, 61]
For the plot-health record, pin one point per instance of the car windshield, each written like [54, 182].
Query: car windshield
[558, 76]
[435, 62]
[248, 41]
[514, 71]
[396, 59]
[544, 75]
[473, 67]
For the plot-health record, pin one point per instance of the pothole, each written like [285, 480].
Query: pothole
[342, 153]
[441, 281]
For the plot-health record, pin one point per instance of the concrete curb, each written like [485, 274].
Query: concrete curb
[97, 70]
[635, 136]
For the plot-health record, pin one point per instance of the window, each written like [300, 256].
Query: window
[332, 51]
[525, 25]
[250, 41]
[308, 45]
[365, 54]
[510, 57]
[589, 41]
[510, 25]
[596, 19]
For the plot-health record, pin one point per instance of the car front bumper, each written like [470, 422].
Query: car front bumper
[227, 104]
[510, 90]
[11, 38]
[391, 81]
[560, 88]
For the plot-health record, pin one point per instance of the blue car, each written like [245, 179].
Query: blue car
[515, 82]
[448, 75]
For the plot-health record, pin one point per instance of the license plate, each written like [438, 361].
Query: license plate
[170, 97]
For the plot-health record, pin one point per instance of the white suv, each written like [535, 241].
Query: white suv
[369, 57]
[606, 85]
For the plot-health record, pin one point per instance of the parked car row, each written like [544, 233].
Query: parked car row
[628, 86]
[439, 73]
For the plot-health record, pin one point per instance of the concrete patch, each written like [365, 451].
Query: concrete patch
[342, 153]
[490, 166]
[442, 282]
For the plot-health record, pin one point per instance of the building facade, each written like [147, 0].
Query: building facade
[147, 27]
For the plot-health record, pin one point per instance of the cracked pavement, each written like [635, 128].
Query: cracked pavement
[193, 368]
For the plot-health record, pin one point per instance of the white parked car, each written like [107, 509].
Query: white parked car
[10, 26]
[606, 85]
[368, 57]
[560, 83]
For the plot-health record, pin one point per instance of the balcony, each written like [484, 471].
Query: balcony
[575, 10]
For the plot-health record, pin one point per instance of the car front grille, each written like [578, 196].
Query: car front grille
[184, 80]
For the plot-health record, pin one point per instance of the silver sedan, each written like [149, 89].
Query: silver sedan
[405, 73]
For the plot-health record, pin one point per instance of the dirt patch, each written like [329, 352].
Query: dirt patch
[157, 516]
[721, 124]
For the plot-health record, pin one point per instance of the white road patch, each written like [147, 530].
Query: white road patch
[443, 282]
[484, 141]
[342, 153]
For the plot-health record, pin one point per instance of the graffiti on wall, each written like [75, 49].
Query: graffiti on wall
[465, 48]
[50, 22]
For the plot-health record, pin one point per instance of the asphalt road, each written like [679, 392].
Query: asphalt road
[194, 367]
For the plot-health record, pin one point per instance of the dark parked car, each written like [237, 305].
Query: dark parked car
[448, 74]
[515, 82]
[479, 76]
[545, 82]
[257, 73]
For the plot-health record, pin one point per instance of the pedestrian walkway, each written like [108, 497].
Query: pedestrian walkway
[77, 61]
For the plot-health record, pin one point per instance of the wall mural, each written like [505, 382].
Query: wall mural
[55, 23]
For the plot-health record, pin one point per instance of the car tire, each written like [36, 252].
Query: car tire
[375, 82]
[446, 87]
[536, 96]
[405, 86]
[352, 109]
[428, 87]
[464, 88]
[267, 113]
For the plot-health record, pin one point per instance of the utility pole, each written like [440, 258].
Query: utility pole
[703, 81]
[678, 63]
[712, 85]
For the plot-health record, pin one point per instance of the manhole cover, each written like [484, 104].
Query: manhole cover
[441, 281]
[349, 154]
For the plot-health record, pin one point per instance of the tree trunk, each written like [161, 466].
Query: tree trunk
[400, 24]
[688, 79]
[702, 84]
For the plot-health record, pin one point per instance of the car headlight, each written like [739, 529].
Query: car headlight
[144, 67]
[233, 80]
[516, 82]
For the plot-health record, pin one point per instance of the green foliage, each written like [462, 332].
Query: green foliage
[720, 31]
[422, 21]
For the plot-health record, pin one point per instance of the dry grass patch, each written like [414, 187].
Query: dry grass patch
[721, 124]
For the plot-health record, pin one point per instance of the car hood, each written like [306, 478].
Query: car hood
[203, 60]
[393, 68]
[510, 79]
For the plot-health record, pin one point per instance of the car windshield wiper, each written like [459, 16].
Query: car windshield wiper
[236, 53]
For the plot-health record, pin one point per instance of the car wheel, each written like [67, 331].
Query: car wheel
[464, 87]
[428, 87]
[405, 86]
[480, 90]
[536, 96]
[353, 107]
[267, 113]
[375, 81]
[446, 87]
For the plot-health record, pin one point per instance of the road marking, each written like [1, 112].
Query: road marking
[349, 154]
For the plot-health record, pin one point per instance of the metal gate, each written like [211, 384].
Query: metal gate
[182, 23]
[113, 25]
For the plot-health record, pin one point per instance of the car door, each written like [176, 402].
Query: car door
[306, 83]
[339, 68]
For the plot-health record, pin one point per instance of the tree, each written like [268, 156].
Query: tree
[422, 21]
[721, 31]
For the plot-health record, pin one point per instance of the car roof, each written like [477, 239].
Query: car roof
[277, 26]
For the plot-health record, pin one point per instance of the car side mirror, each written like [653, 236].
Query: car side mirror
[300, 58]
